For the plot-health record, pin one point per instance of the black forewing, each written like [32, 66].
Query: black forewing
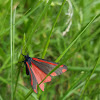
[47, 66]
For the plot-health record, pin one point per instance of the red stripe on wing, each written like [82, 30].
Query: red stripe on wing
[39, 60]
[36, 59]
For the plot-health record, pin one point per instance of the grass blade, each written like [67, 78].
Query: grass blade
[21, 19]
[89, 77]
[14, 17]
[97, 70]
[19, 68]
[48, 40]
[38, 21]
[77, 37]
[11, 48]
[76, 85]
[28, 94]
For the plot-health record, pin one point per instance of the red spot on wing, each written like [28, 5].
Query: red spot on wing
[61, 65]
[35, 91]
[42, 86]
[63, 70]
[53, 74]
[30, 73]
[40, 75]
[36, 59]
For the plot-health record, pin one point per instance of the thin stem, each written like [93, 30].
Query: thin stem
[48, 40]
[77, 38]
[17, 80]
[38, 21]
[13, 37]
[97, 70]
[89, 77]
[11, 48]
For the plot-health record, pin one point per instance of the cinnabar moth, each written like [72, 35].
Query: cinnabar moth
[38, 70]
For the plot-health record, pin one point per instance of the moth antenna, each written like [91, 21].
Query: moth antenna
[22, 54]
[26, 52]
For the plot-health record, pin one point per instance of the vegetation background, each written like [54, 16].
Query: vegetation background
[57, 30]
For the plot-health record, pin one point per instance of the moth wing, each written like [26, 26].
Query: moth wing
[47, 66]
[33, 78]
[40, 75]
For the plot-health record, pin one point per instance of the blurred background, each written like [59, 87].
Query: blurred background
[33, 21]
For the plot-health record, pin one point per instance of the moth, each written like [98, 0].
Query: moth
[39, 68]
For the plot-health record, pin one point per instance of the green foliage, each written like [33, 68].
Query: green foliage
[58, 30]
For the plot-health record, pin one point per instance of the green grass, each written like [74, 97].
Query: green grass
[36, 27]
[11, 47]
